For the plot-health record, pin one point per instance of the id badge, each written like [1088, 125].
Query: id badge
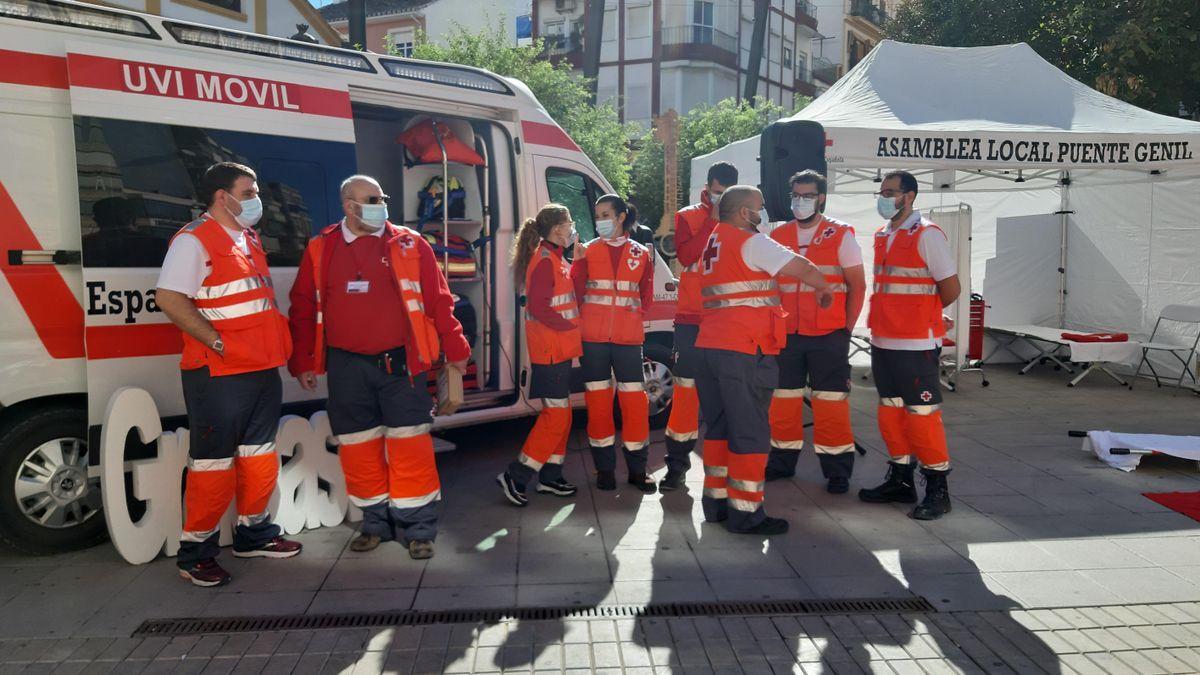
[358, 286]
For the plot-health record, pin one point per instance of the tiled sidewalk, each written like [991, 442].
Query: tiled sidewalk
[1037, 526]
[1142, 639]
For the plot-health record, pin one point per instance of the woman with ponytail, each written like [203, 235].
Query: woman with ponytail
[552, 336]
[614, 280]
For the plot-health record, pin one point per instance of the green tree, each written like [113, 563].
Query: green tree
[1146, 52]
[565, 95]
[702, 130]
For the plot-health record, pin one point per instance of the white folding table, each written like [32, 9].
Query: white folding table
[1051, 346]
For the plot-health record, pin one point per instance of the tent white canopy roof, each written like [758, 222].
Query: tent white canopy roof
[998, 108]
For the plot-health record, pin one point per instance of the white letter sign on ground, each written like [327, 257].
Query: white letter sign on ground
[299, 501]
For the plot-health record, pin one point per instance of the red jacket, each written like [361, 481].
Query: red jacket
[693, 225]
[435, 292]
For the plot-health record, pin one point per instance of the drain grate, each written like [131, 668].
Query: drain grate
[422, 618]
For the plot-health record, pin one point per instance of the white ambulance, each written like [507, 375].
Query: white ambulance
[107, 119]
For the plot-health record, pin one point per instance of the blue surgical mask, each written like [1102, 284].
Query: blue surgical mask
[252, 211]
[373, 215]
[886, 206]
[605, 228]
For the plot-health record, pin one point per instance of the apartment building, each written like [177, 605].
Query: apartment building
[677, 54]
[280, 18]
[398, 22]
[852, 28]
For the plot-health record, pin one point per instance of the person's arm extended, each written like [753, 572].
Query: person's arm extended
[802, 268]
[182, 312]
[856, 293]
[689, 244]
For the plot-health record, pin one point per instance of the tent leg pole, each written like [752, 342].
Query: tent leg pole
[1064, 183]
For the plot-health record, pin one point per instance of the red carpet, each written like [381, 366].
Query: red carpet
[1187, 503]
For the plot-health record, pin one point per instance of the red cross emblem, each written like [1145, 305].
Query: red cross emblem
[712, 253]
[634, 261]
[926, 396]
[408, 242]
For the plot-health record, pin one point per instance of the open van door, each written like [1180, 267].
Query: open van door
[785, 147]
[147, 123]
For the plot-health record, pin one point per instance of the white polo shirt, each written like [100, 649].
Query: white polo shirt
[935, 250]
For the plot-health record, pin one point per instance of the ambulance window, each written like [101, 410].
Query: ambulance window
[138, 185]
[577, 193]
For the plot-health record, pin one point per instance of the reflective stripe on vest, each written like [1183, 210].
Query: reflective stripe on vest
[546, 345]
[741, 305]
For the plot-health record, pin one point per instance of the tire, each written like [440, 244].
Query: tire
[54, 441]
[660, 361]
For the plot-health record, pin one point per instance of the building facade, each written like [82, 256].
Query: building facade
[678, 54]
[399, 22]
[852, 28]
[278, 18]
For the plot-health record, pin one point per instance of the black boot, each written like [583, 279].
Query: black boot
[937, 496]
[643, 482]
[837, 470]
[606, 480]
[781, 464]
[897, 487]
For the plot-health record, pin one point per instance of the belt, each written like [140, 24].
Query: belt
[392, 361]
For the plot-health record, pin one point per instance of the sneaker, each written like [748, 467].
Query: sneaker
[671, 482]
[643, 482]
[275, 548]
[513, 491]
[767, 527]
[606, 480]
[420, 549]
[559, 487]
[365, 542]
[206, 573]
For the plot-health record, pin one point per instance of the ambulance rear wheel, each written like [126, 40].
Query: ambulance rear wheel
[660, 384]
[47, 502]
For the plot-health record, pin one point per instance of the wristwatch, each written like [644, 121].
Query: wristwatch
[218, 346]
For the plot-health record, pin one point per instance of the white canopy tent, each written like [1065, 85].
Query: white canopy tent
[1055, 175]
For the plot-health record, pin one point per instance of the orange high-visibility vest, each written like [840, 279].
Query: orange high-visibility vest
[238, 299]
[905, 303]
[805, 316]
[611, 307]
[546, 345]
[689, 300]
[423, 346]
[742, 309]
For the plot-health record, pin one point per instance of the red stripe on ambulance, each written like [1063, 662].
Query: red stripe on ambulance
[53, 310]
[122, 341]
[152, 79]
[33, 70]
[538, 133]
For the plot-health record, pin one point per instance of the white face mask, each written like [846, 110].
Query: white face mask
[764, 221]
[373, 216]
[252, 211]
[605, 228]
[803, 207]
[715, 197]
[886, 206]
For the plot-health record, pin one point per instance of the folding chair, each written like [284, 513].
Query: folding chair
[1187, 314]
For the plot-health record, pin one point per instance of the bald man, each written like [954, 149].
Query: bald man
[371, 306]
[742, 328]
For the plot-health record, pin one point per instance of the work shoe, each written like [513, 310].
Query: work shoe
[643, 482]
[937, 496]
[897, 487]
[775, 473]
[558, 486]
[769, 526]
[838, 485]
[277, 547]
[365, 542]
[420, 549]
[606, 480]
[206, 573]
[513, 491]
[671, 482]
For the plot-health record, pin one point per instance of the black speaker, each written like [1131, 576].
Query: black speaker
[785, 147]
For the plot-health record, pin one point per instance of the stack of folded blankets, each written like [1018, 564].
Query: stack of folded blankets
[459, 251]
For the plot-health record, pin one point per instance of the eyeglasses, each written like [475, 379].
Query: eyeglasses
[381, 199]
[806, 195]
[889, 194]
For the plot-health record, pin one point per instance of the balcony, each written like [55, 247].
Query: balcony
[565, 48]
[865, 9]
[699, 43]
[806, 16]
[824, 70]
